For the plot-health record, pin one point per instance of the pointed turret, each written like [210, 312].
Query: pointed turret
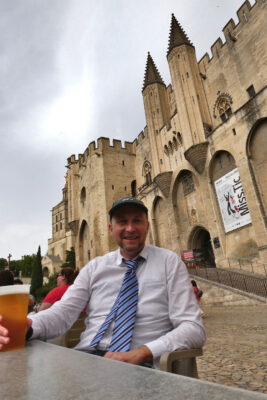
[152, 74]
[177, 36]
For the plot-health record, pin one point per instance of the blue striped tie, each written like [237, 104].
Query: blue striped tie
[123, 311]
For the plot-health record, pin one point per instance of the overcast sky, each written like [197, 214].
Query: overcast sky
[72, 71]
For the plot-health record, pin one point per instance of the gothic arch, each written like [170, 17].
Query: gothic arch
[184, 196]
[257, 160]
[200, 242]
[160, 222]
[46, 272]
[221, 163]
[84, 252]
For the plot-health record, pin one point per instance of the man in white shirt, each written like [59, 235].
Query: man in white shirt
[167, 318]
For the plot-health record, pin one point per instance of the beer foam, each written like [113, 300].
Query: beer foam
[14, 289]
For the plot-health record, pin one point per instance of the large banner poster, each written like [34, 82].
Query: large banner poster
[232, 201]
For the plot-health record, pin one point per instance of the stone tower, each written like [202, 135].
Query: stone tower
[193, 113]
[157, 112]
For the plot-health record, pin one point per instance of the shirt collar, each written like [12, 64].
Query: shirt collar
[143, 253]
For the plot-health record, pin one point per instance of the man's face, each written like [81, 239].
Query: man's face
[129, 227]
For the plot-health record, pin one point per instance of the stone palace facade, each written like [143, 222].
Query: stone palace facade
[199, 165]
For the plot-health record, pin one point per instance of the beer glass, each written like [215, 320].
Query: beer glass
[14, 301]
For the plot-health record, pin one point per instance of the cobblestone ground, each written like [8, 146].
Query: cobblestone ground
[236, 350]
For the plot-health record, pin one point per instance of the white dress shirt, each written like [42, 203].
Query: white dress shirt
[168, 316]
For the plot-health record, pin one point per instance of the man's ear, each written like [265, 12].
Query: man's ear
[110, 228]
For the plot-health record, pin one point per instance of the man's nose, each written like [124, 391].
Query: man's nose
[130, 227]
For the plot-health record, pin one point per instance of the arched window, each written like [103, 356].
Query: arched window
[175, 143]
[83, 195]
[147, 172]
[170, 147]
[222, 107]
[179, 137]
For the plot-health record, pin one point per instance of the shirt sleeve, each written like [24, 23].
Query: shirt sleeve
[184, 313]
[57, 319]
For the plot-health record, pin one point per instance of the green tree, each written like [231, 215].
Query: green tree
[3, 263]
[27, 264]
[37, 273]
[42, 292]
[70, 259]
[14, 267]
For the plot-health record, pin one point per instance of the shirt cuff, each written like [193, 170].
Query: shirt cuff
[157, 347]
[36, 332]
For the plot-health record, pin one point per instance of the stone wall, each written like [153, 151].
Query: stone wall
[220, 295]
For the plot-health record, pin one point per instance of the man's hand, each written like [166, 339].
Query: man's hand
[4, 338]
[137, 356]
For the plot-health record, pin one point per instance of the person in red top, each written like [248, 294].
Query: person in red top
[64, 279]
[196, 289]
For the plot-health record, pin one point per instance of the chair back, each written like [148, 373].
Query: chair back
[72, 336]
[181, 362]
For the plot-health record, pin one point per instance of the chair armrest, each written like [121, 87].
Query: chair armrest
[169, 359]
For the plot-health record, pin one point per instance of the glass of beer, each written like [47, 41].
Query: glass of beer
[14, 301]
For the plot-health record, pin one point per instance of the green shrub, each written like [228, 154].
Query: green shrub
[45, 289]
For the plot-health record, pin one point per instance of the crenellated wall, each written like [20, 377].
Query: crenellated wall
[239, 62]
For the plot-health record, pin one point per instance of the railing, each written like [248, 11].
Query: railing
[249, 266]
[235, 279]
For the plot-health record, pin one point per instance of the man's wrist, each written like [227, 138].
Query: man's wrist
[146, 354]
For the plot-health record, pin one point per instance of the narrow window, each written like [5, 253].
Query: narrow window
[223, 117]
[229, 112]
[234, 132]
[251, 91]
[122, 162]
[133, 188]
[112, 187]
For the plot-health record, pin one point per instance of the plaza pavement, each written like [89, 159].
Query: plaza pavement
[236, 350]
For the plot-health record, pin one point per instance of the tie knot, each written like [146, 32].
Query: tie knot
[133, 264]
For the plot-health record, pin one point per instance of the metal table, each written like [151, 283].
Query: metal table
[47, 372]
